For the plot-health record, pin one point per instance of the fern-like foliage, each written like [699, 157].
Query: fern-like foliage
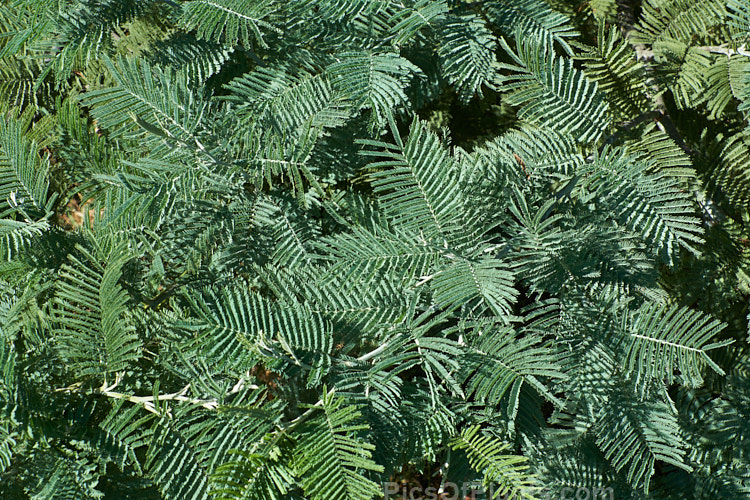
[16, 236]
[373, 81]
[332, 459]
[414, 17]
[152, 100]
[664, 215]
[24, 177]
[649, 355]
[94, 336]
[649, 439]
[253, 475]
[738, 12]
[468, 55]
[325, 249]
[487, 455]
[408, 182]
[535, 18]
[227, 21]
[614, 67]
[285, 102]
[85, 31]
[499, 362]
[665, 23]
[548, 88]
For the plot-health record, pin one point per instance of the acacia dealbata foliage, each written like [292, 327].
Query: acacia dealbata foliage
[297, 249]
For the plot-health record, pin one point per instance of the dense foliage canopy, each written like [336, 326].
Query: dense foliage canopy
[310, 249]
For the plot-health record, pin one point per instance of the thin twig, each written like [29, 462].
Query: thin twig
[149, 402]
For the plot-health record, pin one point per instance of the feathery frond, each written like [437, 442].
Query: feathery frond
[24, 177]
[94, 334]
[660, 343]
[534, 18]
[549, 89]
[468, 55]
[488, 456]
[228, 21]
[332, 458]
[155, 100]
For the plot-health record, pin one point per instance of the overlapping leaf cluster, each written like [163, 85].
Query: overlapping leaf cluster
[294, 250]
